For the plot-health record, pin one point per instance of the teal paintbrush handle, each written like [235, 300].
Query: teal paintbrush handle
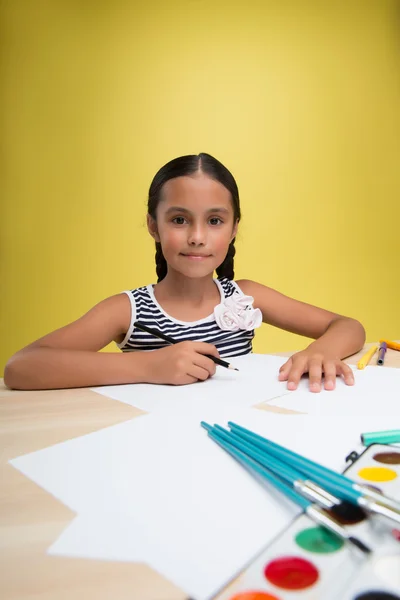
[267, 461]
[253, 467]
[333, 482]
[282, 469]
[285, 471]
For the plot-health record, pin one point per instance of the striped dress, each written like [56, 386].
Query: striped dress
[146, 309]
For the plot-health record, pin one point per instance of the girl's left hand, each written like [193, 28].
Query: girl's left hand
[315, 364]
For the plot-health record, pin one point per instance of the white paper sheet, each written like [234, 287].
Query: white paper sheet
[156, 489]
[255, 382]
[198, 562]
[376, 392]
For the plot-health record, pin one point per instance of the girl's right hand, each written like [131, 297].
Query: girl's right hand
[180, 364]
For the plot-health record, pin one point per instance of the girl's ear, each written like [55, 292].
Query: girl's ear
[152, 228]
[235, 229]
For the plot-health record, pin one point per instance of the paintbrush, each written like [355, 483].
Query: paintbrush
[170, 340]
[334, 483]
[315, 513]
[307, 488]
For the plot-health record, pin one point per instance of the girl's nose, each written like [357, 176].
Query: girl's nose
[197, 236]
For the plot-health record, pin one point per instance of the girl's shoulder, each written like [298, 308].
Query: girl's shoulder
[143, 292]
[263, 295]
[229, 286]
[243, 286]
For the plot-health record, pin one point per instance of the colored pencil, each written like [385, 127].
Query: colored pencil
[170, 340]
[315, 513]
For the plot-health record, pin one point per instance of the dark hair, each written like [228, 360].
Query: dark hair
[188, 165]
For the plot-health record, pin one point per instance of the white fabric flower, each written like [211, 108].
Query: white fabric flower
[236, 313]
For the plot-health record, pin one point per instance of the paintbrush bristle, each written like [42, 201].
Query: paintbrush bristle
[359, 544]
[347, 512]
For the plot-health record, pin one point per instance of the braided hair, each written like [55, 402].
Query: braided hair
[161, 263]
[188, 165]
[226, 269]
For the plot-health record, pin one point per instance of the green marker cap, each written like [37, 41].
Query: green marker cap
[381, 437]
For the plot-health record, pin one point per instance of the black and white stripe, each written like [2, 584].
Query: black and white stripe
[146, 309]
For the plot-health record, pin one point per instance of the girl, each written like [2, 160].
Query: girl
[193, 216]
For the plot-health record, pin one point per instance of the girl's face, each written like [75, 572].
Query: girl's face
[195, 224]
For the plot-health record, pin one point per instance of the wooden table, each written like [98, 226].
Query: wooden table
[31, 519]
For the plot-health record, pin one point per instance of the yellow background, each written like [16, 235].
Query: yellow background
[299, 99]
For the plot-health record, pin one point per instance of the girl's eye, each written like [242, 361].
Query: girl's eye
[215, 221]
[179, 220]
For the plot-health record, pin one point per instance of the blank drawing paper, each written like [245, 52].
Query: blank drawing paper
[255, 382]
[158, 490]
[376, 392]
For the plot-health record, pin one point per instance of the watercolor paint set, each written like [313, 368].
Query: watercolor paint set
[308, 562]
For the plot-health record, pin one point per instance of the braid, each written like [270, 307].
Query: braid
[225, 269]
[161, 263]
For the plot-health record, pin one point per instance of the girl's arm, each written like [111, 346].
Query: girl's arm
[336, 336]
[69, 357]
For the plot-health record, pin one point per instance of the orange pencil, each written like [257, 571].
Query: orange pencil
[392, 345]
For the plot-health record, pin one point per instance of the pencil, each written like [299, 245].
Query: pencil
[170, 340]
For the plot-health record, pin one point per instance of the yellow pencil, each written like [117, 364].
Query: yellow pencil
[364, 360]
[392, 345]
